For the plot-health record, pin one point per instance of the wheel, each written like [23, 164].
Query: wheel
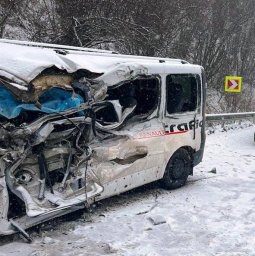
[177, 170]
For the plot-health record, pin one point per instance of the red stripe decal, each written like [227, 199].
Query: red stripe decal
[159, 134]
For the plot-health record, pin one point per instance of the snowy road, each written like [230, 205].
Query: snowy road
[214, 214]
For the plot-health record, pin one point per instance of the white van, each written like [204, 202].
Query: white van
[79, 125]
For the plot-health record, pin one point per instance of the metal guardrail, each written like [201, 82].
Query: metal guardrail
[230, 116]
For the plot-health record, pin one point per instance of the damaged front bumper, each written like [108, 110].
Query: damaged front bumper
[47, 173]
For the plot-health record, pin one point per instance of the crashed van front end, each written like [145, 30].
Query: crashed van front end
[62, 141]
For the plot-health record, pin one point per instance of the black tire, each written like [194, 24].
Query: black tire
[177, 170]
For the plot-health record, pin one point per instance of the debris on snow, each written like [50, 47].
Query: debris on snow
[157, 220]
[214, 171]
[48, 240]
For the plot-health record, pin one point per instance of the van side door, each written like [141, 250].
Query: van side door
[182, 114]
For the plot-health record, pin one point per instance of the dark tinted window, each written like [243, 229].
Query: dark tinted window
[182, 93]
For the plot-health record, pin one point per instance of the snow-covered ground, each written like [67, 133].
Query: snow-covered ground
[214, 214]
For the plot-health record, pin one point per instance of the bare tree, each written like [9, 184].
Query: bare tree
[29, 19]
[8, 9]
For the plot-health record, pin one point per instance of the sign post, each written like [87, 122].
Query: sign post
[233, 84]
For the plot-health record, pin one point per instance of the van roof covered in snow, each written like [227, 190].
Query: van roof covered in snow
[36, 57]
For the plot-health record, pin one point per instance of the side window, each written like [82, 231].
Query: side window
[183, 93]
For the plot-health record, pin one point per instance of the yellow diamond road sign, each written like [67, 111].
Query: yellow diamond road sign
[233, 84]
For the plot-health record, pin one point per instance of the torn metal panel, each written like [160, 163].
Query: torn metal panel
[122, 72]
[4, 199]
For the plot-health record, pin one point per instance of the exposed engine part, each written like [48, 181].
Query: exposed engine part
[24, 176]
